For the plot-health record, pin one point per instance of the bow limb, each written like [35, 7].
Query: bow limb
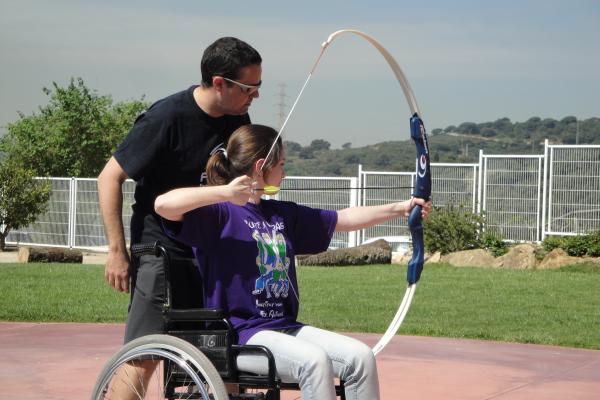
[408, 93]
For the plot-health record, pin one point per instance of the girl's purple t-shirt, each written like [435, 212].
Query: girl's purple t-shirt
[247, 258]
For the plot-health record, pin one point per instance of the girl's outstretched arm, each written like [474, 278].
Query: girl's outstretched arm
[175, 203]
[354, 218]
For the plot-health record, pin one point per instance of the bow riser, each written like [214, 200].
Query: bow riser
[423, 191]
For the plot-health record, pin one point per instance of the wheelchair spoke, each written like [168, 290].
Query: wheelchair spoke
[159, 367]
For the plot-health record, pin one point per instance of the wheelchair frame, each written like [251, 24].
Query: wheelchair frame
[197, 363]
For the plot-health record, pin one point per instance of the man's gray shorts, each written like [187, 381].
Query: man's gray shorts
[147, 293]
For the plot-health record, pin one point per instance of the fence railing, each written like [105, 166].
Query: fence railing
[525, 198]
[336, 193]
[511, 195]
[572, 194]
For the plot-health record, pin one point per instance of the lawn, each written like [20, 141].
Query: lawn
[559, 307]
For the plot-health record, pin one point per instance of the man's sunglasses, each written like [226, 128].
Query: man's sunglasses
[246, 89]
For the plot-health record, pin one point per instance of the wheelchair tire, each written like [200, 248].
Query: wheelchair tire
[182, 371]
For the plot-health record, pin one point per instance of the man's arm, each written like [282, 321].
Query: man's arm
[110, 194]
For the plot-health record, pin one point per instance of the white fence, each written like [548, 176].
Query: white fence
[511, 195]
[573, 190]
[524, 197]
[332, 193]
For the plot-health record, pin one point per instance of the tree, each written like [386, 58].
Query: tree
[450, 129]
[73, 135]
[292, 147]
[352, 158]
[469, 128]
[503, 125]
[319, 144]
[306, 153]
[22, 198]
[488, 132]
[347, 145]
[533, 124]
[569, 120]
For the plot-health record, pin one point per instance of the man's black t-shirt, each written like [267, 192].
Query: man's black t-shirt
[168, 148]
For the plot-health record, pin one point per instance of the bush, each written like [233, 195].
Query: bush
[593, 249]
[451, 229]
[22, 198]
[576, 246]
[494, 242]
[552, 242]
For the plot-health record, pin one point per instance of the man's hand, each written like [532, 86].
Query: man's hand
[110, 196]
[116, 271]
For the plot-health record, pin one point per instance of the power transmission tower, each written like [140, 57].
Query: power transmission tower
[282, 105]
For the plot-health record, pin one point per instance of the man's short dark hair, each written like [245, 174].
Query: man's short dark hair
[225, 57]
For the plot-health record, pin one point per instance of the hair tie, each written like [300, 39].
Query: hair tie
[219, 150]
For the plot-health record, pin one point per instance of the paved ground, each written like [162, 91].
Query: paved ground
[61, 361]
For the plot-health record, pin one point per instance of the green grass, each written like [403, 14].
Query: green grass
[58, 293]
[559, 307]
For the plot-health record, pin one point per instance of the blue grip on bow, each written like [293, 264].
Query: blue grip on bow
[423, 191]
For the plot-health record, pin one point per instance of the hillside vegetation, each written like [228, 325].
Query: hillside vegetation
[452, 144]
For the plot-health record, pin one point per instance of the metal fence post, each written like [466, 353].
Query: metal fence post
[546, 176]
[72, 211]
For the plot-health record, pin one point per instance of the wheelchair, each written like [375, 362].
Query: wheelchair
[195, 357]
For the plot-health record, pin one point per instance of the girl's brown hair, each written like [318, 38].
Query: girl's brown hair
[246, 145]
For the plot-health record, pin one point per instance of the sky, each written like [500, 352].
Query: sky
[467, 61]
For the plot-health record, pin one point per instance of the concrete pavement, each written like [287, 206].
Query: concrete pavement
[61, 361]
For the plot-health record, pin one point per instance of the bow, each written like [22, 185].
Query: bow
[422, 184]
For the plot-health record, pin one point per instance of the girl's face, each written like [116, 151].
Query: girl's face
[276, 173]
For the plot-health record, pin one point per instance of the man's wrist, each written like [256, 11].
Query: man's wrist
[117, 249]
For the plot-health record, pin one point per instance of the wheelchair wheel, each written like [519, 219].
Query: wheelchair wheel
[175, 369]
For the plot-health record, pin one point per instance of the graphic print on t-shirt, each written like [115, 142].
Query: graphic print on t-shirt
[272, 264]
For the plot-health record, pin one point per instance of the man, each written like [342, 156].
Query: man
[167, 148]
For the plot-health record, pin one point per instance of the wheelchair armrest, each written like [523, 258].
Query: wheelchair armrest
[195, 314]
[258, 350]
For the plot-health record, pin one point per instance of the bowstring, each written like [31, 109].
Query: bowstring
[287, 118]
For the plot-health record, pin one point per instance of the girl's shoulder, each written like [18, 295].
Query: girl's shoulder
[280, 206]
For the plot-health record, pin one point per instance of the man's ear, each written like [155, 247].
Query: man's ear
[218, 83]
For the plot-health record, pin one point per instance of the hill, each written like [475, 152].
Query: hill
[452, 144]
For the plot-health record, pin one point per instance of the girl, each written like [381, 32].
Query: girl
[246, 246]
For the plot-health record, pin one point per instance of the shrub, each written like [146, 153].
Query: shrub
[451, 229]
[593, 249]
[22, 198]
[552, 242]
[575, 245]
[494, 242]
